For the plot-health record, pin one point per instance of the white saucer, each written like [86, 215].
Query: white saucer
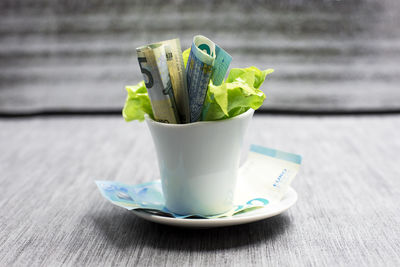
[270, 210]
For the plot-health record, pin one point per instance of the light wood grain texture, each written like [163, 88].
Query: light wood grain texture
[52, 214]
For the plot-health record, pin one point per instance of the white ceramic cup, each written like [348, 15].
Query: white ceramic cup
[199, 163]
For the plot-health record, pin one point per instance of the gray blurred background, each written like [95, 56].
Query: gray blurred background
[72, 55]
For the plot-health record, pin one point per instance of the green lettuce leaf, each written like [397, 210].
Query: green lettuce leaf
[235, 96]
[137, 103]
[185, 56]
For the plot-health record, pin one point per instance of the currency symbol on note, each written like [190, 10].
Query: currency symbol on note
[153, 65]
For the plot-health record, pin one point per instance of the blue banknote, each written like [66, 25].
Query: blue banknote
[221, 65]
[207, 61]
[263, 179]
[198, 73]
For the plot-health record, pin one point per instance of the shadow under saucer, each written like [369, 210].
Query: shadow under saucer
[125, 230]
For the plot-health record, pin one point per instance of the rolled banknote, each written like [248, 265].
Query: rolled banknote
[153, 64]
[220, 68]
[198, 72]
[177, 75]
[221, 65]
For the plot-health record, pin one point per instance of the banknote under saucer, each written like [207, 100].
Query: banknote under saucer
[252, 216]
[262, 190]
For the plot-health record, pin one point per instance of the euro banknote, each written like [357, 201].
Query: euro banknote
[154, 67]
[198, 72]
[177, 75]
[263, 180]
[221, 65]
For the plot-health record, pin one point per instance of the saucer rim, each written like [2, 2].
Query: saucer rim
[260, 214]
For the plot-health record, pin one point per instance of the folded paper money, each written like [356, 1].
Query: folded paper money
[207, 61]
[190, 86]
[263, 179]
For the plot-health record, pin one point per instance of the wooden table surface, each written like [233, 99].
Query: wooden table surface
[52, 213]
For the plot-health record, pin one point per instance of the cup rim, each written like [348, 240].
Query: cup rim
[172, 125]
